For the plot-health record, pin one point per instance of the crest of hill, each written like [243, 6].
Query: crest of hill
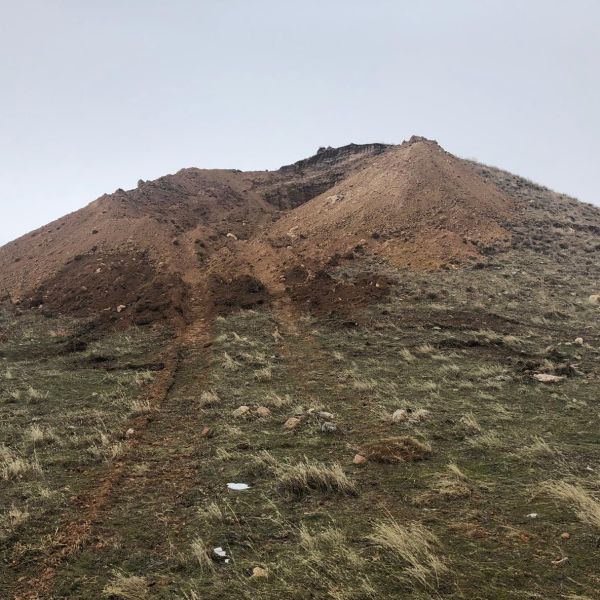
[137, 246]
[229, 237]
[415, 205]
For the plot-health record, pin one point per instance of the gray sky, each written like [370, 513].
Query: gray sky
[98, 94]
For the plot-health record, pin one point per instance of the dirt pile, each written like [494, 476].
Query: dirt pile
[415, 206]
[211, 241]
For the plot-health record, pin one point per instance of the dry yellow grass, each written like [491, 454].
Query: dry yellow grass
[307, 476]
[587, 508]
[127, 587]
[414, 545]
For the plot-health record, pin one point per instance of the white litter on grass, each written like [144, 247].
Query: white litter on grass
[221, 554]
[238, 486]
[532, 515]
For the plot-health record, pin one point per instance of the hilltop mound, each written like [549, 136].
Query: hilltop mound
[416, 206]
[205, 240]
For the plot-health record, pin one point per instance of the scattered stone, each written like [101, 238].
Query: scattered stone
[359, 459]
[129, 432]
[325, 415]
[503, 378]
[240, 411]
[263, 411]
[399, 415]
[260, 572]
[532, 515]
[292, 423]
[565, 536]
[579, 341]
[207, 432]
[594, 299]
[328, 427]
[121, 308]
[547, 378]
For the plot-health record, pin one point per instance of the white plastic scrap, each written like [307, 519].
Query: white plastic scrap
[238, 486]
[221, 554]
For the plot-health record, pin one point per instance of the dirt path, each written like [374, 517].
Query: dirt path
[160, 443]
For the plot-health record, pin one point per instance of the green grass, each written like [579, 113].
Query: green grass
[454, 350]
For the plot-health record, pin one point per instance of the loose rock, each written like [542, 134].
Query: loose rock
[259, 572]
[292, 423]
[359, 459]
[328, 427]
[547, 378]
[263, 411]
[240, 411]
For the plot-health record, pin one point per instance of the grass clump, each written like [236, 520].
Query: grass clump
[587, 508]
[414, 545]
[127, 587]
[311, 476]
[395, 450]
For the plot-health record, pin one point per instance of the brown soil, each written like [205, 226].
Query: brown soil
[242, 292]
[322, 295]
[115, 288]
[218, 240]
[415, 205]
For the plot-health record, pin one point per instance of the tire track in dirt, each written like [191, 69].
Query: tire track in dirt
[91, 507]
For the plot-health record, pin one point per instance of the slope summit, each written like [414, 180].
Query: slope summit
[416, 206]
[156, 251]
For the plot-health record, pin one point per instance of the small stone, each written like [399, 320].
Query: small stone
[259, 572]
[399, 415]
[240, 411]
[325, 415]
[565, 536]
[359, 459]
[594, 299]
[328, 427]
[263, 411]
[207, 432]
[547, 378]
[579, 341]
[121, 308]
[292, 423]
[129, 432]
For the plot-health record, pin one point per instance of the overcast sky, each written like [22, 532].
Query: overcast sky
[95, 95]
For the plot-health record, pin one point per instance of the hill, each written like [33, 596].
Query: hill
[373, 373]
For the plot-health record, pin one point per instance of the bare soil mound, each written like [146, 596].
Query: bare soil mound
[415, 205]
[124, 288]
[212, 241]
[323, 295]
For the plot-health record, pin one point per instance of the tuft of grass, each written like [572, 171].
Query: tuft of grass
[13, 466]
[587, 508]
[304, 477]
[395, 450]
[471, 423]
[264, 374]
[415, 546]
[201, 553]
[209, 399]
[407, 356]
[140, 407]
[127, 587]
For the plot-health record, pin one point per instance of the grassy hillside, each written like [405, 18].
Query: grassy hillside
[404, 449]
